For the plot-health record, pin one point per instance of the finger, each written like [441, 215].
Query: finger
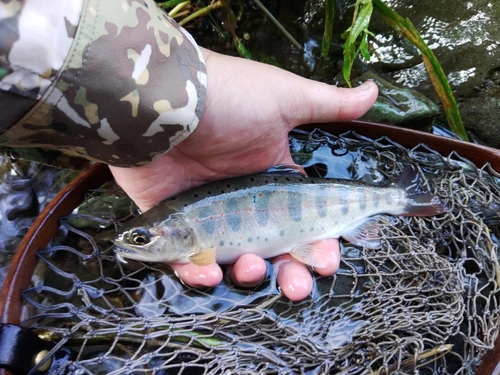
[198, 276]
[294, 278]
[248, 271]
[329, 251]
[328, 103]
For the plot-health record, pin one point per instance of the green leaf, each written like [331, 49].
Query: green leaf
[242, 50]
[3, 72]
[170, 4]
[362, 20]
[328, 32]
[363, 47]
[349, 52]
[357, 37]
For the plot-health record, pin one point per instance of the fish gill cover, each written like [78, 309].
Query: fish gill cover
[426, 300]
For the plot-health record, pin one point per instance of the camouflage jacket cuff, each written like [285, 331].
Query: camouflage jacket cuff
[34, 42]
[132, 87]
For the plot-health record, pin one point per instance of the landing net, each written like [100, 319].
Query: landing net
[425, 302]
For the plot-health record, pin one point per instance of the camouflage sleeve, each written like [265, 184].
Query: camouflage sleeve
[112, 81]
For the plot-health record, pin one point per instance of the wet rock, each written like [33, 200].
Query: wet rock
[399, 106]
[483, 117]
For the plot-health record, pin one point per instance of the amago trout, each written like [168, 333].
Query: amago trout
[268, 215]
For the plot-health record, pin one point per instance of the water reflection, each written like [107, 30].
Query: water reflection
[468, 24]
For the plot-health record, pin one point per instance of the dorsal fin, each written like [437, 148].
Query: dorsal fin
[284, 169]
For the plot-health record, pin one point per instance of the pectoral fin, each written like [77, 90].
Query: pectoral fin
[366, 234]
[204, 257]
[307, 255]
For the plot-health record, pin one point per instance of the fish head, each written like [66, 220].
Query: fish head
[169, 241]
[139, 243]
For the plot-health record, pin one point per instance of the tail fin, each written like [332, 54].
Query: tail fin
[419, 203]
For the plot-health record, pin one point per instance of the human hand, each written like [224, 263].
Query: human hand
[250, 108]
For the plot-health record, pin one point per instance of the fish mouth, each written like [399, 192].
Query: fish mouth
[126, 252]
[119, 249]
[120, 259]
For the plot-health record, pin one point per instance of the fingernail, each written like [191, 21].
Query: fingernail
[363, 86]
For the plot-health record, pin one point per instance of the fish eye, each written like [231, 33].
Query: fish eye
[140, 236]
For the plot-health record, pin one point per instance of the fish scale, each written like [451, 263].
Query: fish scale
[268, 216]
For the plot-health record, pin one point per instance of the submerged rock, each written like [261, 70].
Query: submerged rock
[25, 189]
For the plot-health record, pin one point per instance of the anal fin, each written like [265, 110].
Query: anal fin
[366, 234]
[306, 254]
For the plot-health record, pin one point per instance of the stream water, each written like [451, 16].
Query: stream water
[464, 37]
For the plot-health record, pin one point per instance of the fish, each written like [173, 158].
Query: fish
[268, 215]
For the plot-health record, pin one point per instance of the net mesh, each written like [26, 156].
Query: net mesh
[425, 302]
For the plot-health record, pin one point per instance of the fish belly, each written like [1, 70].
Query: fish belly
[272, 220]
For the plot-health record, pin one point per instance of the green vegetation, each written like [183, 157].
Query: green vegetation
[358, 31]
[356, 40]
[356, 43]
[327, 34]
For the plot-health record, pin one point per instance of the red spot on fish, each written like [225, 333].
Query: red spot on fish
[196, 220]
[282, 191]
[282, 208]
[210, 217]
[324, 202]
[250, 209]
[235, 212]
[223, 232]
[221, 215]
[260, 195]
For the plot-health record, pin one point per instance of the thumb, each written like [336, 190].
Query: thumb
[327, 103]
